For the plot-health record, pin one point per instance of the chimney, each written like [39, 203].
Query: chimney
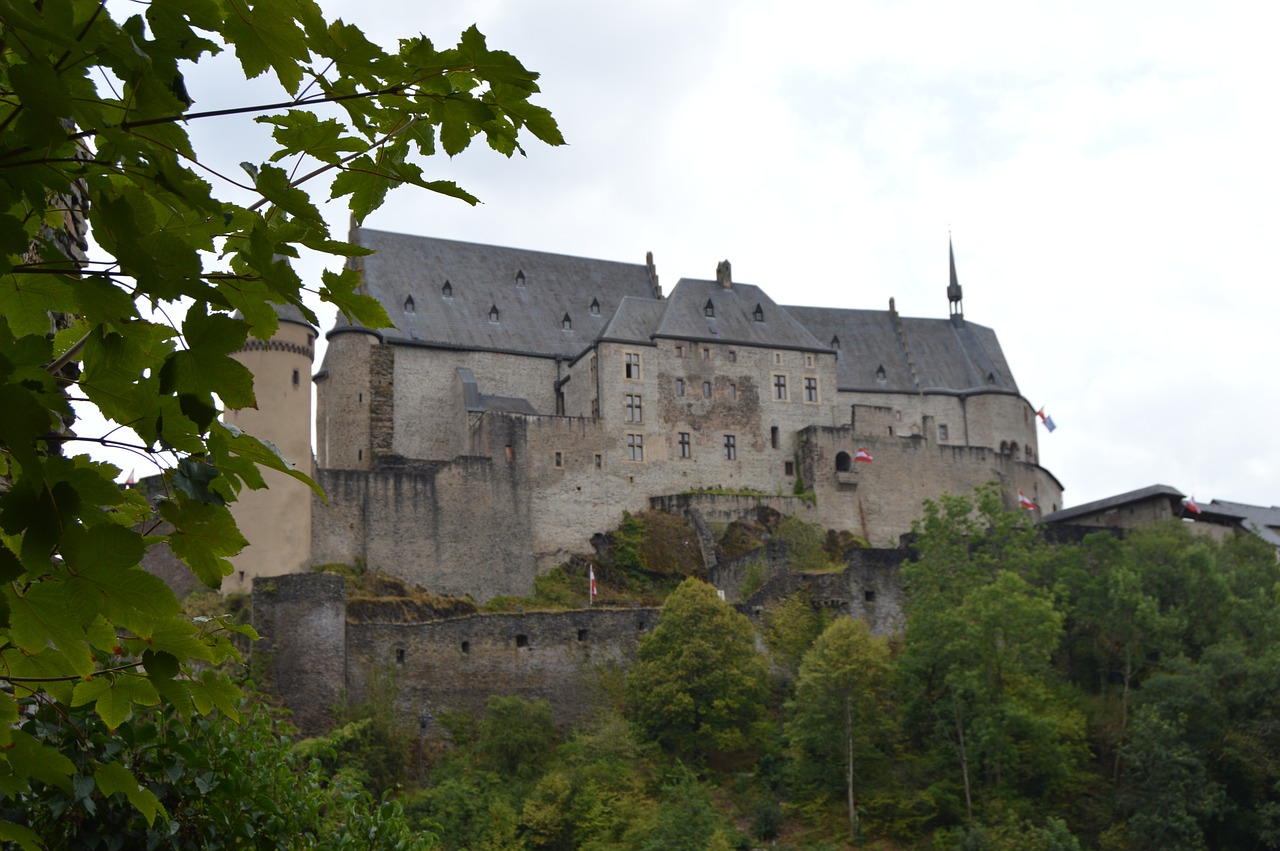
[724, 276]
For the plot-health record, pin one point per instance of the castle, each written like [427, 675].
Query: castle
[523, 400]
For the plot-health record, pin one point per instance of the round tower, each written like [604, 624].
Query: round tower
[276, 520]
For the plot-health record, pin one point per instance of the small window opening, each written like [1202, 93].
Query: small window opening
[789, 468]
[297, 378]
[599, 461]
[880, 374]
[595, 307]
[566, 323]
[844, 462]
[706, 389]
[466, 647]
[991, 378]
[360, 398]
[522, 640]
[835, 343]
[679, 351]
[408, 305]
[493, 313]
[733, 391]
[943, 432]
[509, 452]
[679, 386]
[399, 655]
[709, 309]
[559, 459]
[773, 436]
[869, 596]
[758, 313]
[359, 454]
[447, 290]
[706, 354]
[519, 277]
[733, 356]
[582, 635]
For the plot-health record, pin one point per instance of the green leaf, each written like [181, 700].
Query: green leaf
[113, 777]
[193, 478]
[204, 536]
[214, 690]
[160, 664]
[264, 36]
[113, 696]
[25, 837]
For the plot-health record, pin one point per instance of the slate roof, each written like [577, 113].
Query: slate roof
[1260, 520]
[530, 314]
[634, 321]
[1098, 506]
[947, 356]
[734, 318]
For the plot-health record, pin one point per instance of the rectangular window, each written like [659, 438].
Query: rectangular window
[559, 459]
[789, 468]
[686, 449]
[730, 447]
[706, 354]
[780, 387]
[632, 365]
[733, 391]
[808, 360]
[942, 432]
[706, 389]
[599, 461]
[635, 447]
[679, 351]
[679, 386]
[811, 389]
[773, 437]
[777, 357]
[733, 356]
[634, 413]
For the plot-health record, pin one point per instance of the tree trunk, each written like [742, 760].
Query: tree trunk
[964, 755]
[848, 763]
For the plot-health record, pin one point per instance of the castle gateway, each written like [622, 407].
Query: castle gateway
[523, 400]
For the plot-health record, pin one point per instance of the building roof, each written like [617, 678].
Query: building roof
[1261, 521]
[949, 356]
[464, 295]
[706, 311]
[1119, 500]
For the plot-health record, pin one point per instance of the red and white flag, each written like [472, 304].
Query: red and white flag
[131, 480]
[862, 455]
[592, 572]
[1025, 502]
[1190, 505]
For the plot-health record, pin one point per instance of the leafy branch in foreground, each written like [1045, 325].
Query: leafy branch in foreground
[93, 141]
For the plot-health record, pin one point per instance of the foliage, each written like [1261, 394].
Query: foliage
[627, 545]
[94, 125]
[806, 546]
[670, 546]
[789, 627]
[698, 683]
[221, 784]
[841, 726]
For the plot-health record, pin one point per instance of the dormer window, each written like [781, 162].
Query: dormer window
[991, 378]
[595, 307]
[493, 313]
[758, 313]
[880, 374]
[447, 290]
[566, 323]
[519, 277]
[709, 309]
[835, 343]
[408, 305]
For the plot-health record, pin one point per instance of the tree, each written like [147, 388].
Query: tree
[841, 718]
[698, 685]
[93, 119]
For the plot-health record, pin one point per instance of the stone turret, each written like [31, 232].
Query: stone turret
[277, 520]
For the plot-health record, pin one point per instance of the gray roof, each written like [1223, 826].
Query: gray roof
[947, 356]
[1117, 501]
[634, 321]
[1261, 521]
[735, 318]
[533, 293]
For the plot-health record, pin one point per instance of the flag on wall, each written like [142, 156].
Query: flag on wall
[1190, 505]
[1046, 419]
[1025, 502]
[592, 572]
[862, 455]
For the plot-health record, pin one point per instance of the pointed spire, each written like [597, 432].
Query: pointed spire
[954, 294]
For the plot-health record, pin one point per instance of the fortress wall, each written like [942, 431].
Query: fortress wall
[430, 418]
[457, 664]
[995, 418]
[302, 619]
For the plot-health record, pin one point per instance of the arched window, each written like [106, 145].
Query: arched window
[844, 462]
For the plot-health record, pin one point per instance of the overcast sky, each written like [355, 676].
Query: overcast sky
[1108, 173]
